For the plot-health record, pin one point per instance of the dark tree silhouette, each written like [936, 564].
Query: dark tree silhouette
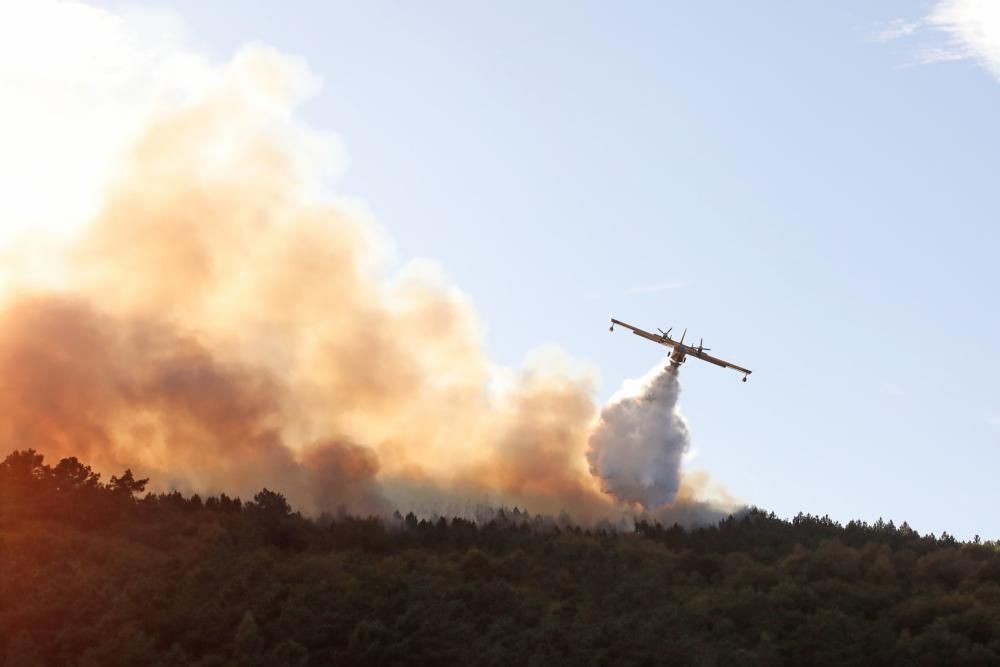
[92, 574]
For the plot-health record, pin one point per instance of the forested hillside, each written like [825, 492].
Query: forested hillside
[95, 573]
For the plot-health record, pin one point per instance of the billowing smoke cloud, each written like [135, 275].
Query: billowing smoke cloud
[637, 446]
[224, 322]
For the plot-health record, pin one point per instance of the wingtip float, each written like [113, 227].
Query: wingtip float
[679, 349]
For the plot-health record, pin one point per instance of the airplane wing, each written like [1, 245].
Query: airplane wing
[662, 340]
[693, 352]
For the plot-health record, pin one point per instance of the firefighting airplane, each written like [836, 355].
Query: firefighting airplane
[680, 350]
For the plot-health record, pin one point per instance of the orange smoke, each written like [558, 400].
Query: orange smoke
[226, 324]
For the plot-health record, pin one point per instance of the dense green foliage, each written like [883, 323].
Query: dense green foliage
[91, 574]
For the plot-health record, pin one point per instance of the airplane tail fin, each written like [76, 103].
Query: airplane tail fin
[683, 334]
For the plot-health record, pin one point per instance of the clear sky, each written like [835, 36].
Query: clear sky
[811, 187]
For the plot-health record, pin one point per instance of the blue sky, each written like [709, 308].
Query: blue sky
[811, 187]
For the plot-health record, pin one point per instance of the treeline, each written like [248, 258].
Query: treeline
[95, 573]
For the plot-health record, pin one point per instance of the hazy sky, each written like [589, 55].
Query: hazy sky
[811, 187]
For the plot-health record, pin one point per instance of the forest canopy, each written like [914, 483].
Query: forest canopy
[102, 573]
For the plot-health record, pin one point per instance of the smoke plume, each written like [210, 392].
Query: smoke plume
[223, 321]
[636, 448]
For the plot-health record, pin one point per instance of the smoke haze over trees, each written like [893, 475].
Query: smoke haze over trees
[220, 318]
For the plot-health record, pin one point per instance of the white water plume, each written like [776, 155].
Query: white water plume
[637, 447]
